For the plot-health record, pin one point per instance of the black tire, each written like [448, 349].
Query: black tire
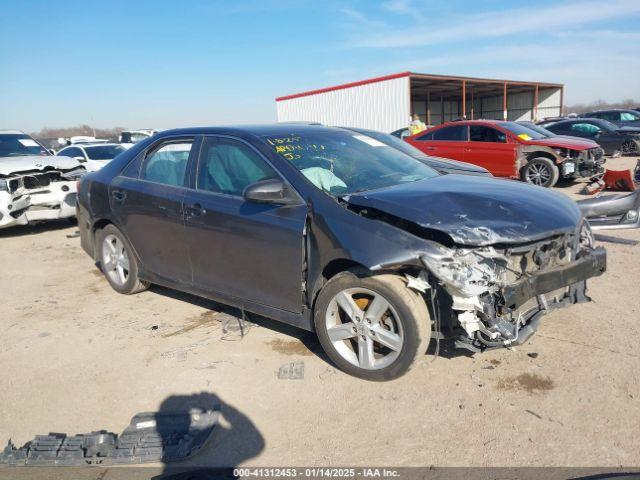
[413, 317]
[540, 171]
[132, 284]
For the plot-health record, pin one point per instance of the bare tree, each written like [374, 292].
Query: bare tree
[87, 130]
[627, 103]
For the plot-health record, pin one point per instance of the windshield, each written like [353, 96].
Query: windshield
[15, 145]
[104, 152]
[539, 129]
[525, 133]
[341, 163]
[606, 124]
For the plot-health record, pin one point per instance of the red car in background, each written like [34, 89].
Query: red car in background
[509, 149]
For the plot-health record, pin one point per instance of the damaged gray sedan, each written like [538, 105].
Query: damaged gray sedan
[338, 233]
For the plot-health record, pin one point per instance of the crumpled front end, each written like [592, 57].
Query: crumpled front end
[498, 294]
[41, 195]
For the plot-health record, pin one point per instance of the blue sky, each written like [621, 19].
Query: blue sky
[162, 64]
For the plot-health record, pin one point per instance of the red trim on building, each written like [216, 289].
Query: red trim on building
[345, 85]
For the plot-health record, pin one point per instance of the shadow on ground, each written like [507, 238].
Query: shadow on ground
[308, 339]
[234, 441]
[36, 228]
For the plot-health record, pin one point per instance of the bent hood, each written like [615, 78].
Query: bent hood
[477, 211]
[565, 142]
[29, 163]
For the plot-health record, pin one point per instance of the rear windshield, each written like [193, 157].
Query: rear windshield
[104, 152]
[341, 163]
[522, 132]
[15, 145]
[539, 129]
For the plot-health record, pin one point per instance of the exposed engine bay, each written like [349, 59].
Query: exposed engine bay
[572, 163]
[494, 296]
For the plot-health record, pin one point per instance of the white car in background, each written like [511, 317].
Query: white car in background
[128, 138]
[93, 156]
[34, 185]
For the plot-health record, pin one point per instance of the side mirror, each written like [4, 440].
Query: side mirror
[52, 151]
[272, 191]
[80, 159]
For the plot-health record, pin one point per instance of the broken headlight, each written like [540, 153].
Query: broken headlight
[469, 273]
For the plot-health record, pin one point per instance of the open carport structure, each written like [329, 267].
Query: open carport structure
[386, 103]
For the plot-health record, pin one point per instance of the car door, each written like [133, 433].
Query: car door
[447, 142]
[242, 249]
[492, 149]
[147, 202]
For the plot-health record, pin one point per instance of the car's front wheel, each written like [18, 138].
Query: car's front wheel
[372, 326]
[117, 261]
[541, 171]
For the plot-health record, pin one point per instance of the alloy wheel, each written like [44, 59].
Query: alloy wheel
[364, 328]
[538, 173]
[115, 260]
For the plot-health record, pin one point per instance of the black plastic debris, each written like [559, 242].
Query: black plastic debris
[150, 437]
[291, 371]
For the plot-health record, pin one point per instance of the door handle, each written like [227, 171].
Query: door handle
[118, 195]
[194, 210]
[430, 148]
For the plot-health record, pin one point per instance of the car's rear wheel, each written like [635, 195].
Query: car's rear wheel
[372, 326]
[118, 263]
[541, 171]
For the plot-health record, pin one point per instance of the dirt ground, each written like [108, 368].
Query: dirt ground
[77, 357]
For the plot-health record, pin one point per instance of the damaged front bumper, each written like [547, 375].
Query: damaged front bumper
[589, 265]
[22, 205]
[497, 297]
[586, 163]
[609, 212]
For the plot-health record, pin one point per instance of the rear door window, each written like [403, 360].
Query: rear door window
[167, 163]
[454, 133]
[425, 138]
[611, 116]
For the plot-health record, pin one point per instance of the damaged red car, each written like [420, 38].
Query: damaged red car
[511, 150]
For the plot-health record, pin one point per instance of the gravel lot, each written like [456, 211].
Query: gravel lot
[76, 357]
